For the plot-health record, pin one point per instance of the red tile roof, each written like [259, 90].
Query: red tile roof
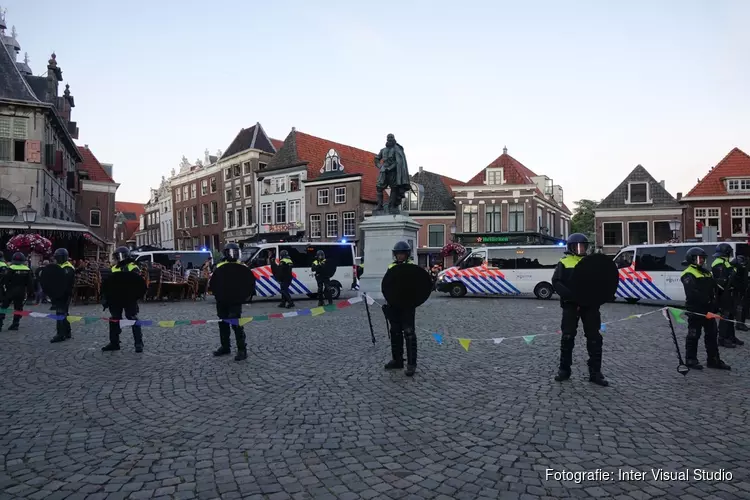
[131, 226]
[735, 164]
[277, 143]
[513, 171]
[127, 206]
[92, 166]
[313, 150]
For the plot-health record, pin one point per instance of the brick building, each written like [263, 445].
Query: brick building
[507, 203]
[639, 210]
[721, 199]
[95, 202]
[197, 206]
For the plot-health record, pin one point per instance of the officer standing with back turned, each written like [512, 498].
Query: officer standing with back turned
[62, 303]
[283, 272]
[402, 321]
[230, 311]
[320, 269]
[725, 275]
[562, 280]
[700, 298]
[18, 282]
[125, 264]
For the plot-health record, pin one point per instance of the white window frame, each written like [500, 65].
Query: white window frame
[266, 213]
[294, 211]
[239, 217]
[276, 207]
[279, 184]
[185, 192]
[213, 185]
[336, 195]
[247, 168]
[523, 218]
[238, 193]
[187, 216]
[194, 215]
[469, 209]
[324, 193]
[648, 232]
[229, 219]
[214, 212]
[704, 219]
[332, 217]
[653, 230]
[739, 185]
[353, 219]
[622, 233]
[91, 213]
[428, 235]
[205, 214]
[227, 173]
[248, 192]
[177, 195]
[492, 174]
[745, 215]
[228, 193]
[248, 216]
[648, 195]
[204, 187]
[298, 178]
[316, 222]
[193, 191]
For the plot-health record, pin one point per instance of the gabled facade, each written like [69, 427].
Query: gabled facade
[95, 203]
[721, 199]
[197, 205]
[638, 211]
[507, 203]
[155, 227]
[247, 155]
[430, 202]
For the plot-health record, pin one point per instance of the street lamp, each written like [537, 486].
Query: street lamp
[674, 226]
[29, 215]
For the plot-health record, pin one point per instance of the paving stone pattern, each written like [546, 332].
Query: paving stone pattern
[312, 414]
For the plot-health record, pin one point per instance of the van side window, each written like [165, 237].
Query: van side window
[298, 254]
[144, 258]
[651, 259]
[261, 259]
[542, 258]
[625, 259]
[163, 259]
[675, 258]
[473, 261]
[338, 255]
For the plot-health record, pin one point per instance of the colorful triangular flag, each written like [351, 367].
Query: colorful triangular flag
[244, 321]
[465, 343]
[438, 338]
[124, 323]
[330, 307]
[498, 340]
[317, 311]
[232, 321]
[35, 314]
[355, 300]
[603, 327]
[74, 319]
[263, 317]
[711, 315]
[90, 319]
[182, 322]
[529, 338]
[677, 315]
[290, 314]
[166, 324]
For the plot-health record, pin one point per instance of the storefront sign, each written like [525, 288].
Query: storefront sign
[492, 239]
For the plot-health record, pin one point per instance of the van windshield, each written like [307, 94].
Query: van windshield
[191, 260]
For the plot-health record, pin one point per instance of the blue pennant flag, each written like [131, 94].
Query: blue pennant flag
[438, 338]
[233, 321]
[603, 327]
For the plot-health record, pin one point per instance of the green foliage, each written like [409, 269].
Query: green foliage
[583, 218]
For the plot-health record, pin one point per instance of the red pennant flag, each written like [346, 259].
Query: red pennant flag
[21, 313]
[712, 316]
[276, 316]
[198, 322]
[343, 304]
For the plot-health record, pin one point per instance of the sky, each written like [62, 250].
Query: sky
[580, 91]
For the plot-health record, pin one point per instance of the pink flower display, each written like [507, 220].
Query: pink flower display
[28, 243]
[452, 248]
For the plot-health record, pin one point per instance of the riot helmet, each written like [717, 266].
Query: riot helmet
[19, 258]
[284, 254]
[61, 255]
[231, 252]
[122, 253]
[740, 261]
[320, 255]
[401, 251]
[578, 244]
[724, 250]
[696, 256]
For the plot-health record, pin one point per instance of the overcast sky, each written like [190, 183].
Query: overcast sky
[581, 91]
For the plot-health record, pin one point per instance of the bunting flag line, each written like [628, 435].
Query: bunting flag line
[465, 343]
[87, 320]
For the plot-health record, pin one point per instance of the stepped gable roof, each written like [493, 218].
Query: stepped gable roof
[660, 196]
[734, 164]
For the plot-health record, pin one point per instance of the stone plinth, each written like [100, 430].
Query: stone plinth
[381, 232]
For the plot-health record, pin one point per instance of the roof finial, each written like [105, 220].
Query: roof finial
[67, 90]
[53, 60]
[505, 150]
[13, 32]
[26, 58]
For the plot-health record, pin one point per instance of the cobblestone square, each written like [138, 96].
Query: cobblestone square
[312, 414]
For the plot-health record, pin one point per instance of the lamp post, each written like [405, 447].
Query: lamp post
[29, 216]
[674, 226]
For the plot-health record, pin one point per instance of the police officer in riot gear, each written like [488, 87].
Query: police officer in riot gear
[700, 298]
[322, 276]
[402, 320]
[724, 274]
[225, 310]
[283, 274]
[18, 282]
[62, 303]
[562, 281]
[740, 262]
[125, 264]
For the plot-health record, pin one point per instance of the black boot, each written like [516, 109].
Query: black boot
[594, 346]
[282, 304]
[737, 341]
[138, 338]
[290, 305]
[57, 338]
[320, 303]
[411, 351]
[241, 355]
[562, 375]
[397, 350]
[239, 337]
[114, 337]
[691, 349]
[15, 324]
[224, 338]
[718, 364]
[726, 343]
[598, 379]
[394, 365]
[567, 342]
[693, 364]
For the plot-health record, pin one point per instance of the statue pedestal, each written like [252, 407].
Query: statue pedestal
[381, 232]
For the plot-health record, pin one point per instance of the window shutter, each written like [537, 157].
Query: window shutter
[34, 151]
[5, 149]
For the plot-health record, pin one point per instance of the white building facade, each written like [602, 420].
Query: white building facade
[281, 202]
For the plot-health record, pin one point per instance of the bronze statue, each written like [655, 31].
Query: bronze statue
[394, 174]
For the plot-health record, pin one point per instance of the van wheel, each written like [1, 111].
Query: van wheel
[632, 301]
[457, 290]
[335, 289]
[543, 291]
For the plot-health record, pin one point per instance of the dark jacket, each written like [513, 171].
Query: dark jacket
[322, 269]
[283, 271]
[562, 278]
[700, 290]
[18, 280]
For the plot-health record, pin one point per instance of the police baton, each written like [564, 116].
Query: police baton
[369, 317]
[681, 367]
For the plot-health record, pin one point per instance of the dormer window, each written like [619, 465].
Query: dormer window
[332, 162]
[738, 185]
[638, 192]
[495, 176]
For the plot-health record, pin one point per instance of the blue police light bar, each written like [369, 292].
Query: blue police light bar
[561, 244]
[204, 249]
[343, 241]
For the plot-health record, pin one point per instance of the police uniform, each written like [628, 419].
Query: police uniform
[562, 281]
[283, 273]
[724, 274]
[319, 267]
[229, 311]
[62, 304]
[402, 322]
[125, 264]
[18, 282]
[740, 294]
[700, 298]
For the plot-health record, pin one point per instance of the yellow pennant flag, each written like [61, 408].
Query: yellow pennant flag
[244, 321]
[317, 311]
[166, 324]
[465, 343]
[74, 319]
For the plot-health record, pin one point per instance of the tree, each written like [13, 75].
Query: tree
[583, 218]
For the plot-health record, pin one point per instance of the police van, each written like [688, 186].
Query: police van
[340, 255]
[652, 272]
[190, 259]
[505, 270]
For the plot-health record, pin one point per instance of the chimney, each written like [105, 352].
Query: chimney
[679, 196]
[86, 146]
[421, 169]
[661, 183]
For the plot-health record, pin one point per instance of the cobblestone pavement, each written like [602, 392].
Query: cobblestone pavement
[312, 414]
